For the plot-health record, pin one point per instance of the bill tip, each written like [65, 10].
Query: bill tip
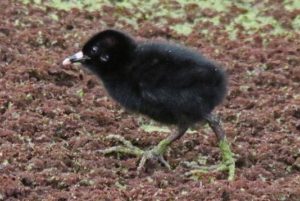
[66, 62]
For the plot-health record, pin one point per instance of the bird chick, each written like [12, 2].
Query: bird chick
[169, 83]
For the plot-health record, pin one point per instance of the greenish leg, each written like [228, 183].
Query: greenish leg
[228, 162]
[227, 158]
[155, 153]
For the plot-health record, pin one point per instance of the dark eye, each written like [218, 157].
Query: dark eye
[94, 50]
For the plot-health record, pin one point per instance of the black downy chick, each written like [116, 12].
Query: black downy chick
[169, 83]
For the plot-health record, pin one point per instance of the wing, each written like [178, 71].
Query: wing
[182, 93]
[187, 91]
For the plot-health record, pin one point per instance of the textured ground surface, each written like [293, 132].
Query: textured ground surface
[53, 118]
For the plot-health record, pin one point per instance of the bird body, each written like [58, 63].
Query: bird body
[169, 83]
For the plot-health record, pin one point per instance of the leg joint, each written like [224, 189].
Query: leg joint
[213, 119]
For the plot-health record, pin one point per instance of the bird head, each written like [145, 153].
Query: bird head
[107, 50]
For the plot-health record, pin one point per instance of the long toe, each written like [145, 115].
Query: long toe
[227, 164]
[222, 167]
[164, 162]
[126, 148]
[199, 170]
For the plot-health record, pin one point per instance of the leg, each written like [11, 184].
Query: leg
[228, 163]
[215, 124]
[155, 153]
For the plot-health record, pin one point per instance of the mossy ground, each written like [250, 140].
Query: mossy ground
[54, 118]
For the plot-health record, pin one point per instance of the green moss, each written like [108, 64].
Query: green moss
[217, 5]
[149, 128]
[80, 93]
[54, 16]
[296, 23]
[184, 29]
[291, 4]
[69, 4]
[158, 12]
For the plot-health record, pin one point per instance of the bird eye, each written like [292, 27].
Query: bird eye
[94, 50]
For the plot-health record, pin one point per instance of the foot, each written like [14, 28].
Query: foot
[155, 154]
[128, 148]
[227, 164]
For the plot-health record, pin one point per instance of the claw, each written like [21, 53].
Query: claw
[150, 155]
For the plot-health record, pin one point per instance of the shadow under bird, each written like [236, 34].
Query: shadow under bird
[169, 83]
